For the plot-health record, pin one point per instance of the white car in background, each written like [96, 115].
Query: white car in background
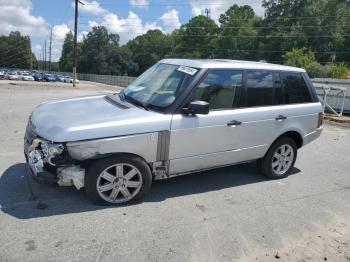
[26, 77]
[13, 76]
[68, 79]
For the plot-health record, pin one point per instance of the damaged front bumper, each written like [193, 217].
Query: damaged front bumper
[40, 156]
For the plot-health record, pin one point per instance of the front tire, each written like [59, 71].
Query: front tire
[279, 159]
[117, 180]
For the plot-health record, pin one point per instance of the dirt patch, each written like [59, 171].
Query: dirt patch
[330, 243]
[341, 119]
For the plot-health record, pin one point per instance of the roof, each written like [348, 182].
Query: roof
[232, 64]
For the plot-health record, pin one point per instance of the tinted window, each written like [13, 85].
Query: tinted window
[220, 89]
[295, 88]
[259, 88]
[277, 91]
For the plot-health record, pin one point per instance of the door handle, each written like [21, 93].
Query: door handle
[281, 117]
[234, 123]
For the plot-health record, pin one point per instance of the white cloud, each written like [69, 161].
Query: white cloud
[91, 8]
[58, 34]
[15, 15]
[139, 3]
[127, 28]
[171, 20]
[219, 7]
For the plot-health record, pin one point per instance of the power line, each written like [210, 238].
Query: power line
[172, 4]
[246, 19]
[233, 27]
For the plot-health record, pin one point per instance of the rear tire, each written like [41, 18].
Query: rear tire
[279, 159]
[117, 180]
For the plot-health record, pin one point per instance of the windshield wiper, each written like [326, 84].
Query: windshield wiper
[135, 102]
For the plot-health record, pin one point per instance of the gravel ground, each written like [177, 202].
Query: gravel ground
[228, 214]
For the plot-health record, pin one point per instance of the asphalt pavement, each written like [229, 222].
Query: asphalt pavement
[227, 214]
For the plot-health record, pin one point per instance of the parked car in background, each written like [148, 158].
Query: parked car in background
[178, 117]
[49, 78]
[68, 79]
[38, 76]
[59, 78]
[13, 75]
[26, 76]
[2, 74]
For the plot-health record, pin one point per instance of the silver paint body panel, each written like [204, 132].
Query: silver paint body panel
[205, 141]
[229, 64]
[93, 117]
[93, 127]
[143, 145]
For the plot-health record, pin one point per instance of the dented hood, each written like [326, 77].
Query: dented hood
[94, 117]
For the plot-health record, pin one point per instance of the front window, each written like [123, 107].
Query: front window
[159, 86]
[220, 89]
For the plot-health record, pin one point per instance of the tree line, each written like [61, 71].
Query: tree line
[313, 34]
[16, 51]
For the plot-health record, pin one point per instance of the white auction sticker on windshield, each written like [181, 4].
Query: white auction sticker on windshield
[188, 70]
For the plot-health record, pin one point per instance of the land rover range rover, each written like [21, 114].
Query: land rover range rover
[178, 117]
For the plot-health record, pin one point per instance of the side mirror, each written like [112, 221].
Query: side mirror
[197, 107]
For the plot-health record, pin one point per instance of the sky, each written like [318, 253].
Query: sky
[128, 18]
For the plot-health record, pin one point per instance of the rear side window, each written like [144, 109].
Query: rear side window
[259, 85]
[295, 89]
[220, 88]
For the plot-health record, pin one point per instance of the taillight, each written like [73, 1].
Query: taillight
[320, 120]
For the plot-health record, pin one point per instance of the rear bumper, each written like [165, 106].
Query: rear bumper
[312, 136]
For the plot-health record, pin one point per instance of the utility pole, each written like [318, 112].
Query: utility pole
[50, 51]
[75, 60]
[207, 12]
[42, 58]
[45, 56]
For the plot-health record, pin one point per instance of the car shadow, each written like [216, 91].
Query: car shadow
[23, 198]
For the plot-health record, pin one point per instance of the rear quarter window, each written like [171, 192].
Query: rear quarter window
[295, 89]
[259, 86]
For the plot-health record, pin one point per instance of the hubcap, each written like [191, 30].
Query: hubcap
[119, 183]
[282, 159]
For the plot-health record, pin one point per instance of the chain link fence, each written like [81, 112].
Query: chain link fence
[107, 79]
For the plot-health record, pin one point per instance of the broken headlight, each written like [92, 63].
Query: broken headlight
[50, 151]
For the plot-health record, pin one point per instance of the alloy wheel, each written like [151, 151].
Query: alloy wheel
[282, 159]
[119, 183]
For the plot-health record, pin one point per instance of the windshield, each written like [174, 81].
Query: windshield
[159, 86]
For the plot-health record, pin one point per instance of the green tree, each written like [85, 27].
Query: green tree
[238, 31]
[101, 54]
[306, 59]
[67, 57]
[196, 38]
[315, 24]
[149, 48]
[15, 51]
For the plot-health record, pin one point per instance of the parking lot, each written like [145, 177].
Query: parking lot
[228, 214]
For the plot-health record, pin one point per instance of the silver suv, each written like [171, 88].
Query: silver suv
[180, 116]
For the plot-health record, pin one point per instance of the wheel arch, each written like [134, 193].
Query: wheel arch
[295, 135]
[87, 162]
